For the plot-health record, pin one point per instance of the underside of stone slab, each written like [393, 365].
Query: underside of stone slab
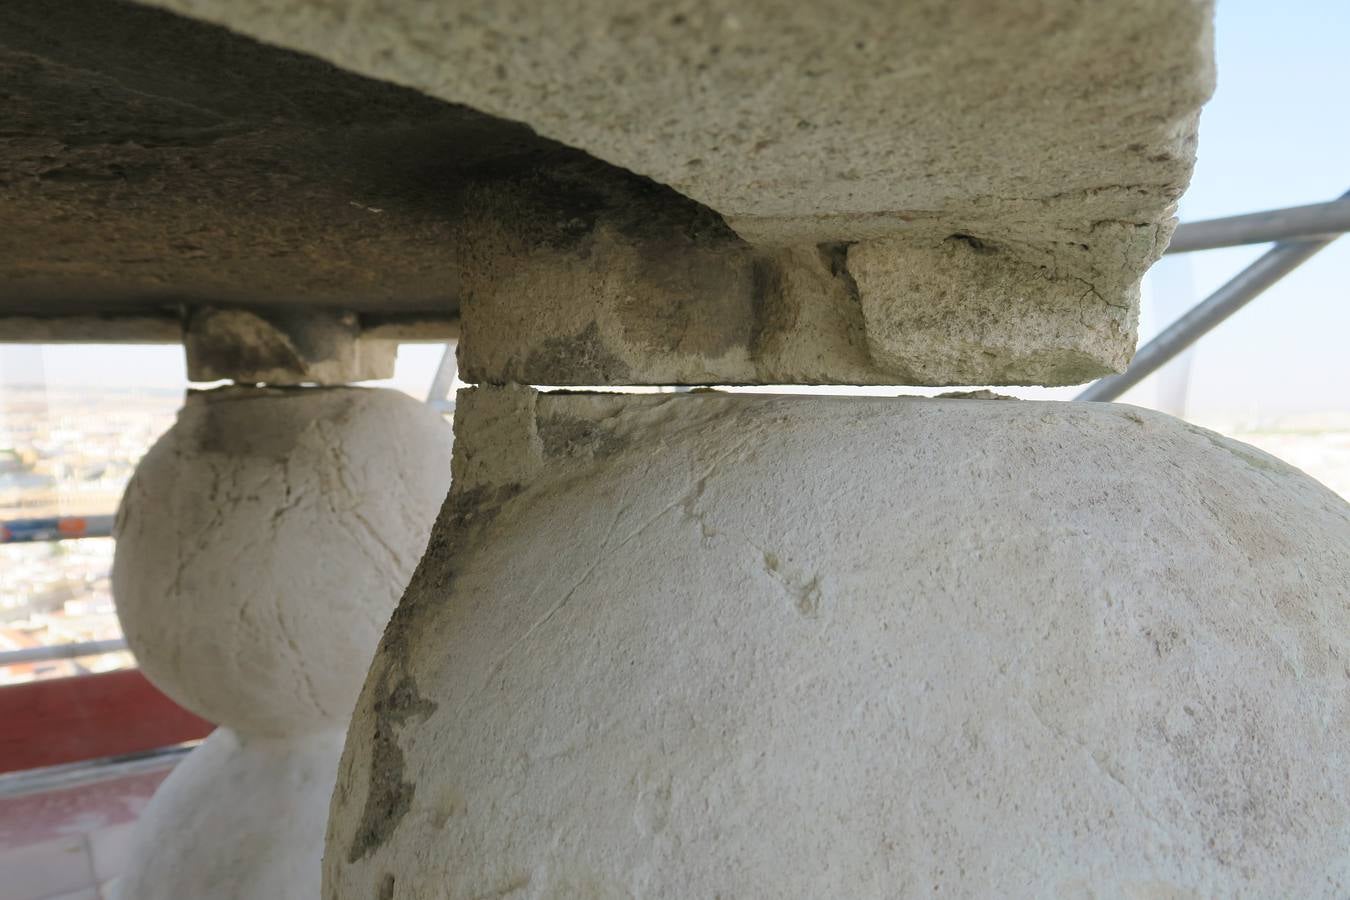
[809, 122]
[150, 161]
[768, 192]
[701, 644]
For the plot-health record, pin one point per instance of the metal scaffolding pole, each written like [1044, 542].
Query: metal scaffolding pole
[55, 528]
[1313, 222]
[69, 775]
[61, 651]
[444, 379]
[1244, 287]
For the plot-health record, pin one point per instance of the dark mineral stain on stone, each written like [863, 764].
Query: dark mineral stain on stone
[579, 359]
[567, 436]
[554, 197]
[223, 350]
[390, 795]
[691, 300]
[974, 243]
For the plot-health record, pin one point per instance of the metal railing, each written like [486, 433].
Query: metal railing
[1318, 220]
[70, 775]
[1301, 232]
[61, 651]
[55, 528]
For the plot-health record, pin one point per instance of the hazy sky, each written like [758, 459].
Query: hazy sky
[1276, 133]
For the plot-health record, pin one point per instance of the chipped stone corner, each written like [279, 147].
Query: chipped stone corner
[283, 346]
[970, 309]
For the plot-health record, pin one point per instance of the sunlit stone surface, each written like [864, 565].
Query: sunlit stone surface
[705, 645]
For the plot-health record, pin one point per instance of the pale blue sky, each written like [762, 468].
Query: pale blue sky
[1276, 133]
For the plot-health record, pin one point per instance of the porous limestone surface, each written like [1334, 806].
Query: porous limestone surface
[263, 542]
[241, 818]
[671, 306]
[987, 181]
[702, 645]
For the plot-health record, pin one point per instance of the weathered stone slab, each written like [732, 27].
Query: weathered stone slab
[806, 122]
[157, 161]
[988, 181]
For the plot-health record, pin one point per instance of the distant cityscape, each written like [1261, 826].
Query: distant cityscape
[67, 452]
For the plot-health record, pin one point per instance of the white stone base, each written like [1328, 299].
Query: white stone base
[239, 819]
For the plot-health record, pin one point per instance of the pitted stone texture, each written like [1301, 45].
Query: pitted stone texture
[824, 647]
[283, 347]
[240, 817]
[614, 309]
[627, 311]
[637, 285]
[962, 310]
[263, 542]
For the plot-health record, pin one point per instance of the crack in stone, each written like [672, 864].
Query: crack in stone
[1100, 761]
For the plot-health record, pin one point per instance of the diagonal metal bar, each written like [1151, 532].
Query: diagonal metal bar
[444, 379]
[61, 651]
[1316, 221]
[1244, 287]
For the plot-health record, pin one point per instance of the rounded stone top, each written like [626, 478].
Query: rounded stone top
[848, 647]
[263, 542]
